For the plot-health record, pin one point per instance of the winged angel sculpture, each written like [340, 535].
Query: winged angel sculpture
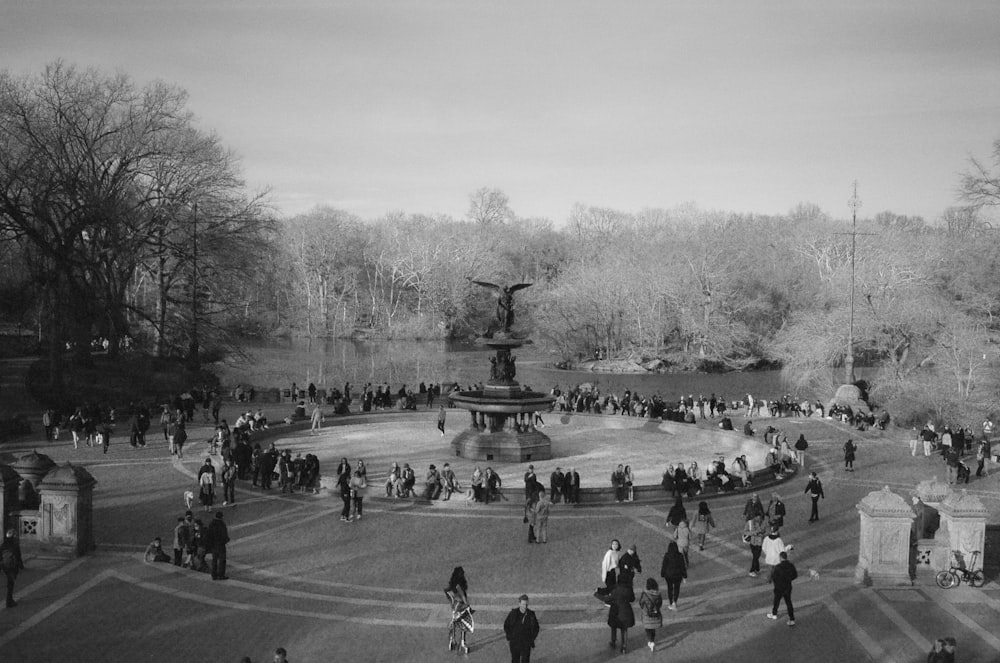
[505, 302]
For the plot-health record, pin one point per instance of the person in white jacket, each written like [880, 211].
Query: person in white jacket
[773, 547]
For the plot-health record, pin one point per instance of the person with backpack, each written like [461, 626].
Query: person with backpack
[651, 604]
[11, 563]
[703, 522]
[800, 450]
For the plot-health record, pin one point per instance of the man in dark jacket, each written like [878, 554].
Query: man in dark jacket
[784, 574]
[556, 484]
[815, 491]
[571, 486]
[268, 461]
[521, 629]
[10, 563]
[218, 537]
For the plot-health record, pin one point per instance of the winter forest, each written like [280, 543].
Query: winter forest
[121, 219]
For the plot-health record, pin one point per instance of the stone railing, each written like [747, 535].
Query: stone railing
[28, 524]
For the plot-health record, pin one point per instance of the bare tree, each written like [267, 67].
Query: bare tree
[980, 185]
[489, 207]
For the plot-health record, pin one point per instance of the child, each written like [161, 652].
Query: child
[154, 552]
[188, 499]
[703, 522]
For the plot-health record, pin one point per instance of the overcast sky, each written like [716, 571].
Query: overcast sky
[748, 106]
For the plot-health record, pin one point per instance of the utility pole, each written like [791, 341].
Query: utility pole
[193, 359]
[854, 203]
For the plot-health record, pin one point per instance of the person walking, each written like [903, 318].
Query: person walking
[461, 623]
[521, 629]
[609, 565]
[218, 538]
[784, 574]
[530, 517]
[753, 508]
[673, 570]
[815, 491]
[206, 485]
[683, 537]
[441, 417]
[316, 420]
[629, 565]
[776, 511]
[754, 536]
[703, 522]
[179, 437]
[621, 617]
[542, 508]
[800, 450]
[229, 483]
[849, 450]
[11, 563]
[651, 604]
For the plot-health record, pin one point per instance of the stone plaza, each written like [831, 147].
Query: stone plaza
[372, 590]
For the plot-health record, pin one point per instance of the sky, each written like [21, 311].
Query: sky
[382, 106]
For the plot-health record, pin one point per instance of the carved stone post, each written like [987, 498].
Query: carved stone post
[67, 526]
[33, 467]
[884, 555]
[963, 527]
[933, 550]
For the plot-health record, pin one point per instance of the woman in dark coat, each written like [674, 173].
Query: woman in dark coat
[620, 614]
[849, 449]
[674, 571]
[677, 512]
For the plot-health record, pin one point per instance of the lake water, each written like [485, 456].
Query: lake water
[332, 362]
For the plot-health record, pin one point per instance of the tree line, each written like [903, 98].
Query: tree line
[122, 219]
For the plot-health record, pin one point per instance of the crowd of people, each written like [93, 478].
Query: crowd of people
[619, 568]
[193, 541]
[953, 444]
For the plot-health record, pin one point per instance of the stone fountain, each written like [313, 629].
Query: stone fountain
[502, 414]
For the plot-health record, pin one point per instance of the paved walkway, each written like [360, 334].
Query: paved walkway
[371, 590]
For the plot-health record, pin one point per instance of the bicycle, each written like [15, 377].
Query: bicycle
[957, 573]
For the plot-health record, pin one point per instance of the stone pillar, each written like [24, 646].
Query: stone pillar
[963, 527]
[884, 554]
[67, 526]
[33, 467]
[932, 553]
[9, 481]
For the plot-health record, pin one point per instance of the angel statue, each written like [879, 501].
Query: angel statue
[505, 302]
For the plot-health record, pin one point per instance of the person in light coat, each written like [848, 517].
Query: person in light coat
[772, 548]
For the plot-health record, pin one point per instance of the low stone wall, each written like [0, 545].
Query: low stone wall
[759, 481]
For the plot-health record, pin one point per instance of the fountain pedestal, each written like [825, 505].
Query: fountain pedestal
[502, 421]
